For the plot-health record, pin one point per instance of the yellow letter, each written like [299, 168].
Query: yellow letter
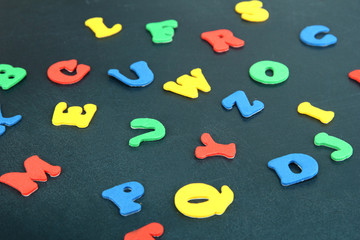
[74, 116]
[252, 11]
[216, 202]
[96, 24]
[188, 85]
[322, 115]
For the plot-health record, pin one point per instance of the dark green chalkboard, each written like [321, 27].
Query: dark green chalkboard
[35, 34]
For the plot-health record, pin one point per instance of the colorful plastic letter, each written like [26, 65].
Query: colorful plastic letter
[252, 11]
[162, 32]
[212, 148]
[54, 72]
[74, 116]
[221, 39]
[240, 99]
[10, 76]
[343, 149]
[96, 24]
[258, 72]
[308, 165]
[142, 70]
[35, 171]
[147, 123]
[355, 75]
[124, 195]
[216, 203]
[323, 116]
[308, 36]
[188, 86]
[147, 232]
[11, 121]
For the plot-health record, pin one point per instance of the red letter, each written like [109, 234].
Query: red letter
[147, 232]
[214, 149]
[54, 72]
[222, 39]
[35, 171]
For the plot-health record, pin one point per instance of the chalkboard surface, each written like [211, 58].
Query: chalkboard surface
[35, 34]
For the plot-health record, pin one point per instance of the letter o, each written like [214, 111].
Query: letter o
[258, 72]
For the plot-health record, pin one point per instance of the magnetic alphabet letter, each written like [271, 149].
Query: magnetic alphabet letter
[188, 86]
[212, 148]
[162, 32]
[308, 36]
[11, 121]
[240, 99]
[147, 232]
[124, 196]
[258, 72]
[142, 70]
[308, 165]
[10, 76]
[252, 11]
[216, 203]
[221, 39]
[96, 24]
[74, 116]
[54, 72]
[35, 171]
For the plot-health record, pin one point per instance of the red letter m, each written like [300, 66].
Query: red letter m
[36, 170]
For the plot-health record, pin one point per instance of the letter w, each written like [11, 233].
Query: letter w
[188, 86]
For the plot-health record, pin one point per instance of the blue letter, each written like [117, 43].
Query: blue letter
[246, 109]
[308, 34]
[308, 165]
[142, 70]
[124, 196]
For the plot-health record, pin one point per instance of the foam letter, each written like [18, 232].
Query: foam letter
[308, 36]
[322, 115]
[343, 149]
[212, 148]
[35, 171]
[11, 121]
[147, 232]
[124, 196]
[216, 203]
[74, 116]
[96, 24]
[222, 39]
[10, 76]
[54, 72]
[142, 70]
[188, 85]
[252, 11]
[162, 32]
[308, 165]
[240, 99]
[258, 72]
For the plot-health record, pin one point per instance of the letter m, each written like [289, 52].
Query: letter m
[36, 170]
